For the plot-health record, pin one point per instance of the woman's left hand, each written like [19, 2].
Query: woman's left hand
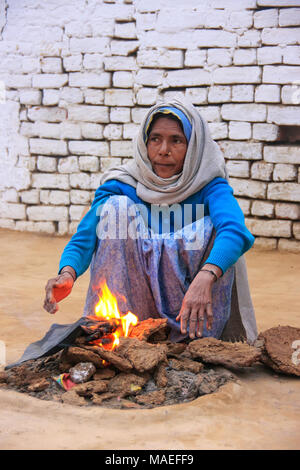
[197, 305]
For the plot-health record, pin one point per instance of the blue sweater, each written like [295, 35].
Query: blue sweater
[232, 240]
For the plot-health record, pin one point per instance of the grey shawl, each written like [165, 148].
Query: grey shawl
[204, 161]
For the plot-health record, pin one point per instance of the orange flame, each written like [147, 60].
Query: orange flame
[107, 310]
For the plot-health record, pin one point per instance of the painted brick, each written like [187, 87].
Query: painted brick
[124, 48]
[147, 96]
[269, 228]
[262, 209]
[244, 204]
[149, 77]
[296, 230]
[265, 244]
[12, 211]
[51, 97]
[107, 163]
[284, 172]
[281, 74]
[262, 171]
[130, 131]
[244, 112]
[50, 213]
[118, 97]
[284, 192]
[88, 164]
[10, 195]
[47, 164]
[240, 130]
[248, 188]
[48, 180]
[38, 227]
[92, 131]
[68, 165]
[242, 93]
[80, 181]
[30, 96]
[48, 147]
[88, 113]
[284, 115]
[30, 197]
[88, 45]
[51, 65]
[73, 63]
[219, 56]
[267, 94]
[291, 55]
[186, 77]
[237, 75]
[289, 17]
[238, 168]
[219, 94]
[91, 147]
[280, 36]
[76, 212]
[113, 132]
[120, 114]
[265, 132]
[93, 96]
[241, 150]
[285, 210]
[93, 62]
[47, 114]
[250, 38]
[123, 79]
[195, 58]
[90, 79]
[56, 198]
[79, 197]
[49, 80]
[266, 18]
[269, 55]
[71, 95]
[125, 30]
[196, 95]
[244, 57]
[282, 154]
[218, 130]
[121, 148]
[117, 63]
[292, 246]
[160, 59]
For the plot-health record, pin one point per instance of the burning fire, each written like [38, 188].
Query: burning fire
[107, 311]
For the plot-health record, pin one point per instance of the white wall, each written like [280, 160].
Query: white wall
[76, 77]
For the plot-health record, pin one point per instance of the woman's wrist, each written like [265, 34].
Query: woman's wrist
[69, 270]
[212, 270]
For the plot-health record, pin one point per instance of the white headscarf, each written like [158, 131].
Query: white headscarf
[203, 162]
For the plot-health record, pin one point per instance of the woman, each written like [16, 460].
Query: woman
[202, 291]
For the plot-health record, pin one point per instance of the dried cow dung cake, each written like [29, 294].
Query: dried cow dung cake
[141, 355]
[281, 349]
[148, 329]
[215, 351]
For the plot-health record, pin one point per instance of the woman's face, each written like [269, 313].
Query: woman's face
[166, 147]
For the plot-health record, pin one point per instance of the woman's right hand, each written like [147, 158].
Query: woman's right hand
[57, 289]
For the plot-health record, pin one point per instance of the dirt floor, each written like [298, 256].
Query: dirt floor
[262, 411]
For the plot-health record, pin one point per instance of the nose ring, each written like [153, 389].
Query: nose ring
[169, 153]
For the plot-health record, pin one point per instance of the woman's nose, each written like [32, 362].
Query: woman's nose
[164, 148]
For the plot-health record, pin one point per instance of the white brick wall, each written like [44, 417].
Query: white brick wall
[73, 97]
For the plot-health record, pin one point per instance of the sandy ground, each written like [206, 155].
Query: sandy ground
[262, 411]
